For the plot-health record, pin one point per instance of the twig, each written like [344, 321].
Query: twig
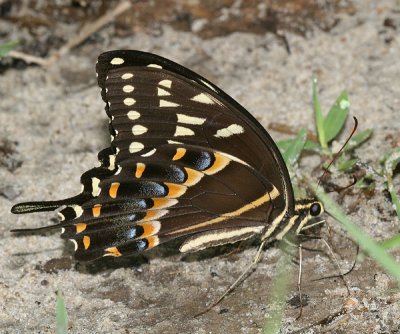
[88, 30]
[28, 58]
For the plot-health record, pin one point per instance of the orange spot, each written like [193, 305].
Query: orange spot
[86, 241]
[180, 152]
[175, 190]
[150, 228]
[153, 241]
[219, 164]
[114, 189]
[80, 227]
[162, 202]
[152, 214]
[96, 210]
[112, 251]
[193, 176]
[139, 169]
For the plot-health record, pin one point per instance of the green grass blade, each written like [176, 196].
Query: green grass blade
[312, 146]
[366, 243]
[279, 291]
[292, 153]
[358, 139]
[346, 165]
[391, 163]
[319, 119]
[284, 144]
[337, 115]
[393, 242]
[395, 198]
[61, 314]
[7, 47]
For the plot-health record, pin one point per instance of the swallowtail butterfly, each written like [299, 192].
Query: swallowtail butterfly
[185, 161]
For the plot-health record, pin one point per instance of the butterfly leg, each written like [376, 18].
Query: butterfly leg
[336, 262]
[299, 281]
[250, 268]
[300, 274]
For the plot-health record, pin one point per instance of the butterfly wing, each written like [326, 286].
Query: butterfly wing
[185, 160]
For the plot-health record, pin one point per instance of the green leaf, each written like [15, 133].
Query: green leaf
[61, 314]
[391, 161]
[390, 164]
[312, 146]
[395, 200]
[7, 47]
[334, 121]
[366, 243]
[292, 154]
[284, 144]
[346, 165]
[319, 120]
[358, 139]
[366, 183]
[393, 242]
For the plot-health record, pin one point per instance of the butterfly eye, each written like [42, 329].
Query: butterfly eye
[315, 209]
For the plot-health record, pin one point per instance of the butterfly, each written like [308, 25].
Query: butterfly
[185, 161]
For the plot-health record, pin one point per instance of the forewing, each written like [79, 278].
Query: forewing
[185, 160]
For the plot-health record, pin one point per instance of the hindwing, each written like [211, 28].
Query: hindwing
[185, 160]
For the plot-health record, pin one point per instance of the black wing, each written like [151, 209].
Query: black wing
[185, 160]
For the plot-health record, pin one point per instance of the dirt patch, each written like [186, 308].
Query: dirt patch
[56, 116]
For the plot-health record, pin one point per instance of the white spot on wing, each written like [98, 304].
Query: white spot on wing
[118, 170]
[203, 98]
[128, 88]
[75, 244]
[126, 76]
[182, 131]
[165, 83]
[77, 209]
[129, 101]
[151, 152]
[133, 114]
[95, 186]
[233, 129]
[162, 92]
[139, 129]
[165, 103]
[154, 66]
[182, 118]
[135, 147]
[174, 142]
[117, 61]
[111, 159]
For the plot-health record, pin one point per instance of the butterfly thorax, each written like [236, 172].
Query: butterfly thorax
[296, 221]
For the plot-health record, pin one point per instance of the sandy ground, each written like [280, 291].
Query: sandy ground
[53, 122]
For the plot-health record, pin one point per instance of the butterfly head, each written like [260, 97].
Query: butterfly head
[304, 211]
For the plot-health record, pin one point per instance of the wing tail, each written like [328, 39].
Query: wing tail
[41, 206]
